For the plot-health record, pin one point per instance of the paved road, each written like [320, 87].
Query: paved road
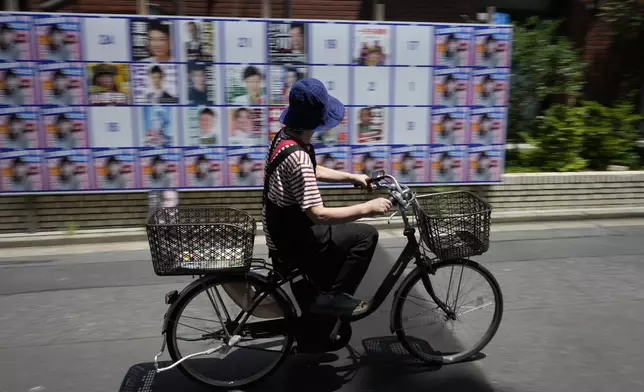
[573, 322]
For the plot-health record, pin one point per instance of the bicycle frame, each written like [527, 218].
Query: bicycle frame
[411, 252]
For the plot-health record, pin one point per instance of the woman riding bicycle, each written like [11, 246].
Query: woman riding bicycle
[300, 231]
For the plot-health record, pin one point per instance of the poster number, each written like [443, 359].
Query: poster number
[330, 44]
[330, 85]
[371, 86]
[244, 42]
[411, 125]
[106, 39]
[413, 45]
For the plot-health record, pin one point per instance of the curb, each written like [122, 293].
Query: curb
[27, 240]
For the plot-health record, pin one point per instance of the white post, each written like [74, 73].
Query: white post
[142, 7]
[490, 14]
[266, 9]
[379, 11]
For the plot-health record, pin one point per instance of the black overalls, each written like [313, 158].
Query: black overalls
[334, 257]
[289, 227]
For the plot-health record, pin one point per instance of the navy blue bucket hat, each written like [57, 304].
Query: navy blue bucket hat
[311, 108]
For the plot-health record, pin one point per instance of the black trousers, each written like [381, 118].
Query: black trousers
[339, 256]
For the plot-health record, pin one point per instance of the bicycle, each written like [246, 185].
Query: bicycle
[216, 244]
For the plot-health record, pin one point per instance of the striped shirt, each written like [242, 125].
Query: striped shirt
[293, 183]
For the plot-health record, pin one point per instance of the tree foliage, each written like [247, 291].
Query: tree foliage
[545, 67]
[625, 16]
[584, 136]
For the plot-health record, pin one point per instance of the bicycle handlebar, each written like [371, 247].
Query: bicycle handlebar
[400, 195]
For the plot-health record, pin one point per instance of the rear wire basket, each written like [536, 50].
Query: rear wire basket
[200, 240]
[454, 225]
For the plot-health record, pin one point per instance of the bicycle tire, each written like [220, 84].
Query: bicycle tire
[409, 283]
[188, 295]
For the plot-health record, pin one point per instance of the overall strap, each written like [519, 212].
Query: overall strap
[274, 163]
[275, 158]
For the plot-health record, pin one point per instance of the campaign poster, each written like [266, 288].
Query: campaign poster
[409, 163]
[366, 160]
[201, 84]
[493, 47]
[115, 168]
[490, 87]
[151, 40]
[448, 164]
[336, 157]
[203, 126]
[371, 45]
[330, 43]
[274, 124]
[204, 167]
[245, 41]
[414, 45]
[65, 128]
[453, 46]
[19, 128]
[160, 168]
[155, 84]
[197, 40]
[15, 38]
[106, 39]
[108, 84]
[17, 84]
[21, 171]
[287, 43]
[62, 84]
[449, 126]
[411, 125]
[69, 170]
[282, 79]
[159, 126]
[245, 85]
[112, 127]
[246, 126]
[334, 136]
[59, 38]
[246, 166]
[488, 125]
[486, 163]
[451, 86]
[370, 125]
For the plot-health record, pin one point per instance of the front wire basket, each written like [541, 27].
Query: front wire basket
[200, 240]
[454, 225]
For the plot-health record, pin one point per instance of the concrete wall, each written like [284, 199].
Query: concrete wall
[519, 192]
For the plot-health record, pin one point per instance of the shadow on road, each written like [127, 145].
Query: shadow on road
[383, 366]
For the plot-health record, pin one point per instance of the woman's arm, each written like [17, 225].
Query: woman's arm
[324, 174]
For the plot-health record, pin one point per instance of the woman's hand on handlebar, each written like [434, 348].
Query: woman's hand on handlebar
[378, 206]
[361, 181]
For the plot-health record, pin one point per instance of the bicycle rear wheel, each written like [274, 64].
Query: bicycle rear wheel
[446, 338]
[211, 312]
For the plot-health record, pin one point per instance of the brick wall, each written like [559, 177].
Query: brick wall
[519, 192]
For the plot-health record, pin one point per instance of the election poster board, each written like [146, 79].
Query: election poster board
[104, 103]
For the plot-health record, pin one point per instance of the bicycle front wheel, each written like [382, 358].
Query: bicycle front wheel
[219, 310]
[471, 311]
